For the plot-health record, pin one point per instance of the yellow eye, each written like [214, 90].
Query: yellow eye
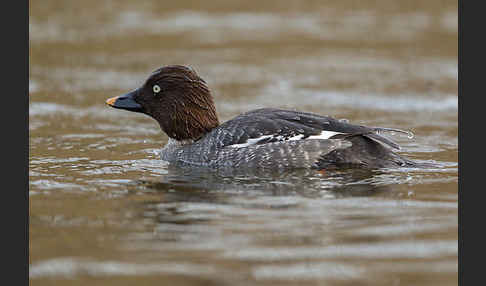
[156, 88]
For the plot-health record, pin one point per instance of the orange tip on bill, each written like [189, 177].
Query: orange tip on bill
[111, 101]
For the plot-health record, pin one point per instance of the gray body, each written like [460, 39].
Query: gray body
[272, 132]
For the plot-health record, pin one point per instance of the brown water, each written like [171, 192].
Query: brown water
[104, 210]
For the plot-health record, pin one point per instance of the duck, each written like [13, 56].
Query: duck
[180, 101]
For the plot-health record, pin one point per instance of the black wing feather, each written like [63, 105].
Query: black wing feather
[285, 124]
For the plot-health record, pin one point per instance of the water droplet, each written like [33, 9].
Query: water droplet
[393, 132]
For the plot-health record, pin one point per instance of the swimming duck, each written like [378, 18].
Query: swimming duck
[181, 102]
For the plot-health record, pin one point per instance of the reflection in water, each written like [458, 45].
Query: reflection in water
[305, 182]
[198, 196]
[182, 188]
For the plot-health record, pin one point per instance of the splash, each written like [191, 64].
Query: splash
[393, 132]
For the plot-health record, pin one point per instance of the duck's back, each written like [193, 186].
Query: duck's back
[276, 138]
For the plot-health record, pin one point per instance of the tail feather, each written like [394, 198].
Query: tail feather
[383, 140]
[382, 130]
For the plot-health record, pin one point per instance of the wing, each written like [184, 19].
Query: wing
[281, 155]
[268, 125]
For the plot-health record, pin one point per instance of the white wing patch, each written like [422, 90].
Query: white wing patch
[251, 141]
[323, 135]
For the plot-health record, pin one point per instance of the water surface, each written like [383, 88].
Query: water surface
[104, 210]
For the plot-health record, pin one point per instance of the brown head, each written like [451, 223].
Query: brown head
[177, 98]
